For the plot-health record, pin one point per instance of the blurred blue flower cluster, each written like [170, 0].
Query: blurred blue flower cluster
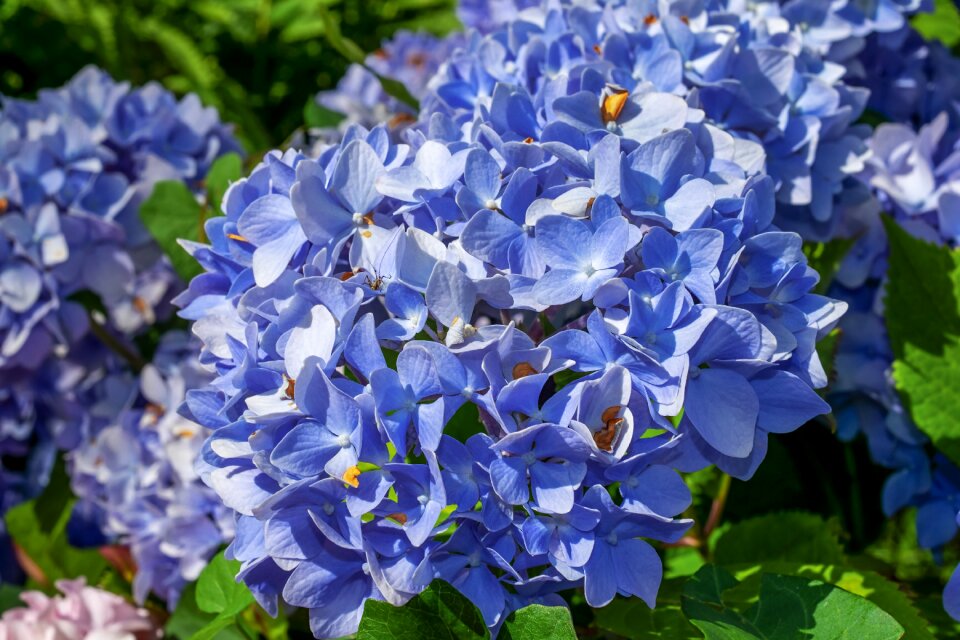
[75, 165]
[912, 175]
[409, 58]
[134, 474]
[480, 348]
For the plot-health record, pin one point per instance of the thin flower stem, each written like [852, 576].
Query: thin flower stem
[716, 509]
[115, 345]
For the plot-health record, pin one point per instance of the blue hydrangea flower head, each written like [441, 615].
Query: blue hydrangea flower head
[437, 348]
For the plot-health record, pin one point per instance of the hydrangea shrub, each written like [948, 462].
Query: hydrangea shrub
[480, 351]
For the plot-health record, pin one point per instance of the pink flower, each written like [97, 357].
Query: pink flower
[82, 612]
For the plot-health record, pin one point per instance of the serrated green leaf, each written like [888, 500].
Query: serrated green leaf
[923, 319]
[225, 170]
[171, 213]
[439, 613]
[218, 590]
[787, 607]
[537, 622]
[792, 536]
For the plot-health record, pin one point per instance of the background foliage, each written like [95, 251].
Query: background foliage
[257, 61]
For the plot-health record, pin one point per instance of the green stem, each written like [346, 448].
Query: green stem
[856, 508]
[115, 345]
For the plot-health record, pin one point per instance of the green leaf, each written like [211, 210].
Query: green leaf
[396, 89]
[792, 536]
[10, 596]
[188, 622]
[344, 46]
[318, 116]
[537, 622]
[39, 528]
[787, 607]
[227, 169]
[222, 627]
[171, 213]
[218, 590]
[187, 618]
[827, 350]
[861, 582]
[352, 52]
[924, 324]
[439, 613]
[465, 422]
[633, 619]
[943, 24]
[825, 258]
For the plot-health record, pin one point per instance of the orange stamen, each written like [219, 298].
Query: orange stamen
[522, 370]
[234, 236]
[291, 388]
[650, 19]
[597, 50]
[399, 119]
[527, 140]
[4, 205]
[613, 104]
[400, 518]
[610, 413]
[351, 477]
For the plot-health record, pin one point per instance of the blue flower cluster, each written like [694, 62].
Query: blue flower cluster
[912, 175]
[408, 58]
[481, 350]
[75, 165]
[134, 473]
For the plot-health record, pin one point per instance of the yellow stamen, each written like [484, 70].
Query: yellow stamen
[351, 477]
[613, 104]
[234, 236]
